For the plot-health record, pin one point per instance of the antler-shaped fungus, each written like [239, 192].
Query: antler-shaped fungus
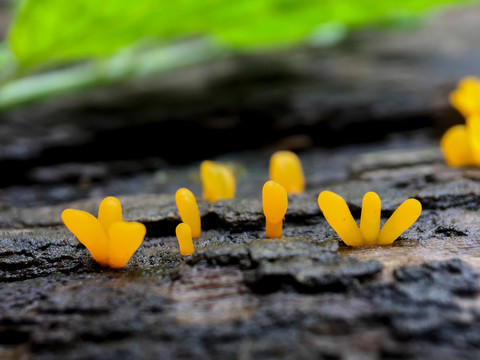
[110, 240]
[338, 215]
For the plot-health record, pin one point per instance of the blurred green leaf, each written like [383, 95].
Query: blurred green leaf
[3, 55]
[129, 63]
[59, 31]
[108, 41]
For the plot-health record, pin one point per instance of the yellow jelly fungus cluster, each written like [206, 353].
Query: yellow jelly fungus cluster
[461, 143]
[338, 215]
[218, 181]
[184, 237]
[110, 240]
[275, 203]
[286, 169]
[188, 209]
[466, 97]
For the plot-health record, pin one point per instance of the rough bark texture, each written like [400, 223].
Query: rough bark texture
[240, 295]
[305, 296]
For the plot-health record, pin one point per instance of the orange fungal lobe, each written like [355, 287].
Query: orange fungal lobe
[110, 240]
[286, 169]
[218, 181]
[184, 237]
[275, 203]
[188, 209]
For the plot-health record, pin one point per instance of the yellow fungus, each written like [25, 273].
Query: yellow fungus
[109, 212]
[188, 209]
[184, 237]
[461, 143]
[89, 231]
[110, 240]
[370, 218]
[125, 238]
[466, 97]
[275, 203]
[404, 217]
[473, 133]
[286, 169]
[218, 181]
[455, 147]
[338, 215]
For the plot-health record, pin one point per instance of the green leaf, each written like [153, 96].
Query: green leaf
[60, 31]
[132, 62]
[3, 56]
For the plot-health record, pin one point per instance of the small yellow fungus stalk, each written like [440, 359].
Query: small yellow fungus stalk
[275, 202]
[338, 215]
[473, 133]
[110, 240]
[286, 169]
[188, 209]
[455, 147]
[466, 97]
[370, 218]
[184, 237]
[402, 218]
[218, 181]
[461, 143]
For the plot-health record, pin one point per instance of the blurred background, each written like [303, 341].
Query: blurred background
[116, 96]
